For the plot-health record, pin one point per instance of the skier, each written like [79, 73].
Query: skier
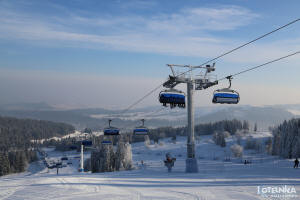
[169, 159]
[169, 162]
[296, 163]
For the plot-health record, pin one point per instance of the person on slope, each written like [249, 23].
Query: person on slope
[296, 163]
[169, 162]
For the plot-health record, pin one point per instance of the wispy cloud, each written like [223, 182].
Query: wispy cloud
[186, 32]
[203, 19]
[136, 4]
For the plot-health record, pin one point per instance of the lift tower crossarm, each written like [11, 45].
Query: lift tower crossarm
[190, 66]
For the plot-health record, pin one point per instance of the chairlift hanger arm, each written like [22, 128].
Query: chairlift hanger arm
[189, 66]
[175, 65]
[173, 81]
[143, 122]
[171, 67]
[170, 83]
[229, 79]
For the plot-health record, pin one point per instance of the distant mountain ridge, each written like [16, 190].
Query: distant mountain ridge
[263, 116]
[156, 116]
[27, 106]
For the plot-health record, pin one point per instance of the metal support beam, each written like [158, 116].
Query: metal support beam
[81, 160]
[191, 161]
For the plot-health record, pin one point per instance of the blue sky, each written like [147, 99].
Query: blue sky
[62, 51]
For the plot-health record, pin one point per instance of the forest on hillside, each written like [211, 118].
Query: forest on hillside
[286, 141]
[16, 148]
[230, 126]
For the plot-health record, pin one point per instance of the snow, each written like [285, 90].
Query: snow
[75, 134]
[294, 111]
[161, 113]
[216, 179]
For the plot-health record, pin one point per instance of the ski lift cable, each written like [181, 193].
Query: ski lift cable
[258, 66]
[233, 97]
[134, 121]
[145, 115]
[141, 99]
[211, 60]
[243, 45]
[142, 116]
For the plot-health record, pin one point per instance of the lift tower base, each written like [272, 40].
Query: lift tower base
[191, 165]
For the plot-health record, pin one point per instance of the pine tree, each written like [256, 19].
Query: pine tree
[20, 161]
[4, 164]
[245, 125]
[223, 142]
[174, 139]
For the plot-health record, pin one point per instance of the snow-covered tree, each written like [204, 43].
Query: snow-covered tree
[239, 135]
[286, 140]
[268, 144]
[237, 150]
[226, 134]
[147, 141]
[123, 156]
[219, 138]
[103, 160]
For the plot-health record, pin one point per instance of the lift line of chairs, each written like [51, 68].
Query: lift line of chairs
[176, 98]
[113, 131]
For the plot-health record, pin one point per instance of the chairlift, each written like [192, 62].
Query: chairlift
[64, 158]
[226, 95]
[106, 142]
[73, 147]
[141, 130]
[87, 142]
[111, 130]
[172, 97]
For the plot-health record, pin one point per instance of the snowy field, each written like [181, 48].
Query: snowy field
[216, 179]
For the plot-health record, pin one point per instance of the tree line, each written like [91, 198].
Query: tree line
[17, 148]
[18, 133]
[230, 126]
[286, 140]
[15, 161]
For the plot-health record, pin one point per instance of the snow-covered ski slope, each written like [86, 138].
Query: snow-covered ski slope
[216, 179]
